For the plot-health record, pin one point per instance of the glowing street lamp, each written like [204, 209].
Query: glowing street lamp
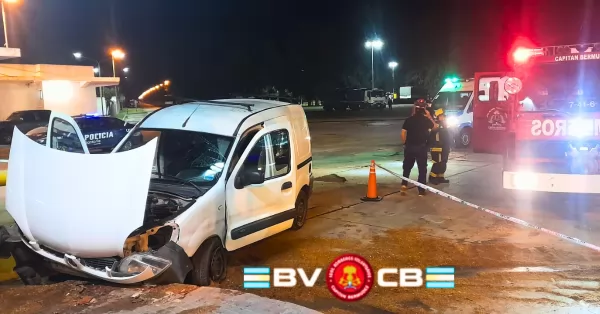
[4, 20]
[393, 66]
[116, 54]
[373, 45]
[126, 70]
[97, 71]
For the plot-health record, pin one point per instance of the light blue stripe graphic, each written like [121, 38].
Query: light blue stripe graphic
[257, 285]
[257, 270]
[440, 270]
[439, 284]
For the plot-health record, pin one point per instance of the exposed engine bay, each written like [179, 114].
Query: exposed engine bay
[160, 207]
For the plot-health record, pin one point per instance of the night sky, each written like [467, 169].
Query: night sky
[214, 48]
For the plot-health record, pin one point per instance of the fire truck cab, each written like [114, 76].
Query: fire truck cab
[544, 118]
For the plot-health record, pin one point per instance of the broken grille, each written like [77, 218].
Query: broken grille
[99, 263]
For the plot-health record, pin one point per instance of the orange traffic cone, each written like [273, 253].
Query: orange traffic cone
[372, 186]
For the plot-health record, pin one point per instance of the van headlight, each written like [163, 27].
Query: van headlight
[137, 263]
[524, 180]
[452, 122]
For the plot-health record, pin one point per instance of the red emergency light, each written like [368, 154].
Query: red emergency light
[522, 55]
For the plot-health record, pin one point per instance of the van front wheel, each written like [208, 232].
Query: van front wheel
[301, 211]
[210, 263]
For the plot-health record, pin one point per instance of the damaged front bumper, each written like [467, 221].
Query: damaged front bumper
[169, 264]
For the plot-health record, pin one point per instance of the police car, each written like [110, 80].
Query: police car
[101, 133]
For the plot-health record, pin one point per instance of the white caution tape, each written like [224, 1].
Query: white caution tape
[497, 214]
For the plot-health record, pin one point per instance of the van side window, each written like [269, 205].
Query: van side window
[64, 137]
[470, 109]
[256, 161]
[280, 141]
[240, 149]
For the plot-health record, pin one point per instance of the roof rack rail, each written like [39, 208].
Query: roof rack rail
[215, 103]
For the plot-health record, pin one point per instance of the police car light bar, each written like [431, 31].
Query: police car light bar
[92, 115]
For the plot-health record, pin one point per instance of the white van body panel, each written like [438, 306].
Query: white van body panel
[222, 211]
[248, 205]
[203, 219]
[60, 202]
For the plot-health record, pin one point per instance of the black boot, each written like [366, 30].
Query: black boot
[433, 180]
[443, 180]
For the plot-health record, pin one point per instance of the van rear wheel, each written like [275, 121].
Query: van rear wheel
[301, 211]
[210, 263]
[464, 138]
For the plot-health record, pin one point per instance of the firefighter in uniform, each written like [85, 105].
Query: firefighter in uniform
[439, 143]
[415, 136]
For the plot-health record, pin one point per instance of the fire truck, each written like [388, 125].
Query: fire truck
[543, 117]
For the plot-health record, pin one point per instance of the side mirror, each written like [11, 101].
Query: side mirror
[250, 177]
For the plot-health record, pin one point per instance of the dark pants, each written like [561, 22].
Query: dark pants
[439, 156]
[416, 154]
[390, 104]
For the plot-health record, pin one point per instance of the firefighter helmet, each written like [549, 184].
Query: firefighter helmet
[421, 103]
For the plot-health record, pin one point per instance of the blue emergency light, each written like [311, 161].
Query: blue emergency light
[92, 115]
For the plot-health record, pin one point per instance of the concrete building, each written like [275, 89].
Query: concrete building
[65, 88]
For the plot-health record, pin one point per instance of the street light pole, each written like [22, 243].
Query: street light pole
[372, 68]
[4, 24]
[393, 66]
[113, 64]
[116, 54]
[373, 44]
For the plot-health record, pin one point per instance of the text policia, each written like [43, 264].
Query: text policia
[349, 277]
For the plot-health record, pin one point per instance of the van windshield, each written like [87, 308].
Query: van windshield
[191, 156]
[457, 100]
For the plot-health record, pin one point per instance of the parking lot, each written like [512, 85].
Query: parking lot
[500, 266]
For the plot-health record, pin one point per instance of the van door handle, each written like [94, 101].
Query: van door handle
[287, 185]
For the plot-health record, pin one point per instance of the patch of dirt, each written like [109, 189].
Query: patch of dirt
[397, 248]
[476, 286]
[332, 178]
[78, 296]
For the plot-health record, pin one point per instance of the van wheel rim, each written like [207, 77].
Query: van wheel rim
[217, 265]
[301, 212]
[465, 139]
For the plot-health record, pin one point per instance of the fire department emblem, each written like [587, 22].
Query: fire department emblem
[497, 119]
[350, 277]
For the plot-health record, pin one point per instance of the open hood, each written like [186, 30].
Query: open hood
[81, 204]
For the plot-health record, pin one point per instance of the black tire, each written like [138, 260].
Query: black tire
[301, 211]
[7, 139]
[210, 263]
[30, 267]
[464, 138]
[127, 145]
[354, 107]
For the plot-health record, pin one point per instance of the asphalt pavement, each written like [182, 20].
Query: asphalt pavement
[501, 267]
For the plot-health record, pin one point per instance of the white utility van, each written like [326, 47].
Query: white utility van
[208, 177]
[456, 98]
